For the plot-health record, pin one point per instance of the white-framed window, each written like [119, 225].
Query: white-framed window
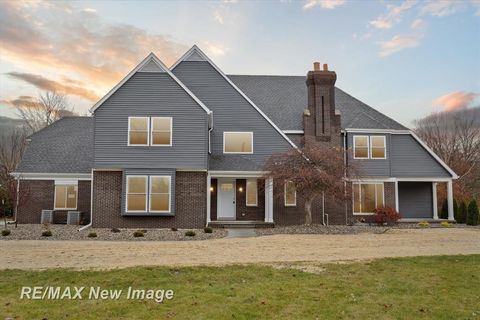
[290, 194]
[360, 147]
[138, 131]
[367, 197]
[161, 134]
[148, 193]
[369, 147]
[238, 142]
[252, 193]
[160, 194]
[378, 147]
[65, 197]
[136, 197]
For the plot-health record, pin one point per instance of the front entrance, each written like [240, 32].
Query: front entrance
[226, 199]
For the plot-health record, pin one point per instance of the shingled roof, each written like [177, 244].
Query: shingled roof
[284, 98]
[66, 146]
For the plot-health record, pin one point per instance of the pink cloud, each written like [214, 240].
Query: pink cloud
[455, 100]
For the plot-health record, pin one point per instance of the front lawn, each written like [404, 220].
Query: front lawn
[443, 287]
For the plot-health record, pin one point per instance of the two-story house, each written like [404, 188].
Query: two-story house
[184, 147]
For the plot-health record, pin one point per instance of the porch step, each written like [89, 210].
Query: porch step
[241, 224]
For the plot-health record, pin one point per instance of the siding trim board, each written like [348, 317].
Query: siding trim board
[207, 59]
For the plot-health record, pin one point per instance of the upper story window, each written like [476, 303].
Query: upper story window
[377, 147]
[138, 128]
[161, 131]
[66, 196]
[360, 147]
[146, 131]
[152, 192]
[373, 147]
[238, 142]
[290, 194]
[367, 197]
[252, 193]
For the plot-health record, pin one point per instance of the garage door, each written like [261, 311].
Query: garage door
[415, 199]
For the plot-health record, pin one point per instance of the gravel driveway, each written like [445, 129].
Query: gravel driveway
[31, 254]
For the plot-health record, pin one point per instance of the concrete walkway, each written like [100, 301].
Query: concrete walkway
[241, 233]
[42, 254]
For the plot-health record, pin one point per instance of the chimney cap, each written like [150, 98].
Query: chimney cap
[316, 66]
[325, 67]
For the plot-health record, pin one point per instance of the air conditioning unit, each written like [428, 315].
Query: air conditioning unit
[73, 217]
[47, 216]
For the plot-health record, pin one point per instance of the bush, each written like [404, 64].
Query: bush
[446, 224]
[444, 211]
[47, 233]
[115, 230]
[386, 215]
[174, 229]
[92, 235]
[5, 232]
[190, 233]
[138, 234]
[461, 215]
[423, 224]
[472, 214]
[207, 230]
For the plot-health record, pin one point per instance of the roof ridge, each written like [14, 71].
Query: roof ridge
[265, 75]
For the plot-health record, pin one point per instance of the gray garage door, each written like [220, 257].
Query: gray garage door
[415, 199]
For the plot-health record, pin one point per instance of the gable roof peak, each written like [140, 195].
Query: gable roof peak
[151, 57]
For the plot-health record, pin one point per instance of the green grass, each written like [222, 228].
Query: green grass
[445, 287]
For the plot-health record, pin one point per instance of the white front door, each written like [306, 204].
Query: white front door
[226, 199]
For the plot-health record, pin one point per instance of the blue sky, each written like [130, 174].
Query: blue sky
[405, 58]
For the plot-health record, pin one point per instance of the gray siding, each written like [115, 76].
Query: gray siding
[150, 94]
[405, 158]
[410, 159]
[371, 167]
[415, 199]
[149, 172]
[231, 112]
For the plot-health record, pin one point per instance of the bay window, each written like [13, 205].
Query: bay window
[148, 193]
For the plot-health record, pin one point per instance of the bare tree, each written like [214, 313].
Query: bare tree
[12, 147]
[313, 171]
[455, 137]
[48, 108]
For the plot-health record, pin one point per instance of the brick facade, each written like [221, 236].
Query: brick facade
[283, 215]
[190, 203]
[40, 197]
[244, 212]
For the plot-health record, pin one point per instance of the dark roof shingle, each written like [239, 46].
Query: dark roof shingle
[284, 98]
[66, 146]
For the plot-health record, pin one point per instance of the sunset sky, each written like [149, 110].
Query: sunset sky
[405, 58]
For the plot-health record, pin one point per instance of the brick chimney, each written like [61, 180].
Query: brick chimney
[321, 123]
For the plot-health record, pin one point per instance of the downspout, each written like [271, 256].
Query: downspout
[345, 174]
[91, 206]
[323, 210]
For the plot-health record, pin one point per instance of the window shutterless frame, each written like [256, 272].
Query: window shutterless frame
[66, 195]
[240, 132]
[370, 151]
[127, 193]
[148, 132]
[355, 146]
[150, 194]
[247, 191]
[360, 196]
[152, 130]
[294, 204]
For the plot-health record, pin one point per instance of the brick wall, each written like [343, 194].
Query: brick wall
[244, 212]
[40, 197]
[190, 203]
[283, 215]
